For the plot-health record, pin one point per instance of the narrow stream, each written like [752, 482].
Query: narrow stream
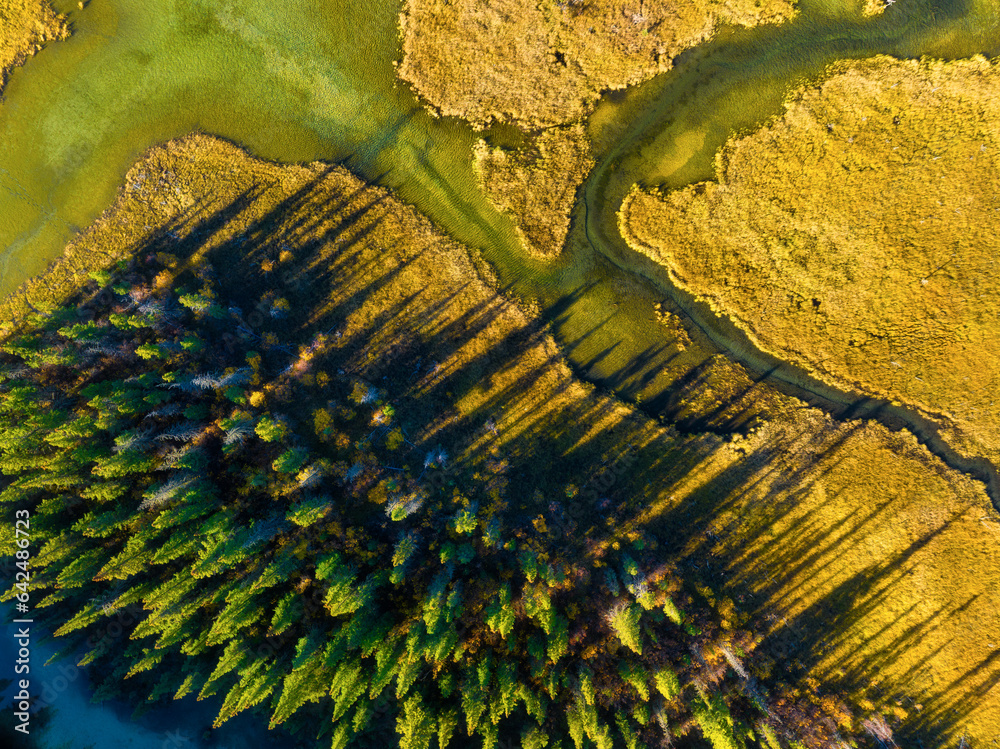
[656, 150]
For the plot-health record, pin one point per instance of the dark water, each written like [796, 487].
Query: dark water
[71, 721]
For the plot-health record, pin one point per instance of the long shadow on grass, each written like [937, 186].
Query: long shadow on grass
[436, 348]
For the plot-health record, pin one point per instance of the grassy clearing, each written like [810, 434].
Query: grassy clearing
[26, 25]
[855, 236]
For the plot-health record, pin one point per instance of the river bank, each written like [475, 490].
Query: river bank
[784, 503]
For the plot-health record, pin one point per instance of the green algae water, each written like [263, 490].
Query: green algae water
[290, 81]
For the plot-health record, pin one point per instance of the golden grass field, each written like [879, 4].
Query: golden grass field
[856, 236]
[873, 570]
[538, 190]
[544, 65]
[873, 7]
[25, 25]
[865, 565]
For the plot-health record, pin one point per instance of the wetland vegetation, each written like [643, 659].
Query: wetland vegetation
[27, 25]
[537, 186]
[855, 235]
[497, 472]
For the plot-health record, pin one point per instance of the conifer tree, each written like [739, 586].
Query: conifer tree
[415, 724]
[447, 720]
[667, 682]
[533, 738]
[624, 620]
[308, 683]
[500, 615]
[716, 723]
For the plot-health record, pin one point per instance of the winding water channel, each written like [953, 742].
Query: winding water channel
[296, 82]
[736, 83]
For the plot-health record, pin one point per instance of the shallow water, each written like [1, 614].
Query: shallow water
[271, 76]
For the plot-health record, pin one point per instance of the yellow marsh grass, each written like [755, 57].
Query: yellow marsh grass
[872, 568]
[870, 563]
[873, 7]
[856, 236]
[542, 65]
[25, 25]
[538, 188]
[545, 63]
